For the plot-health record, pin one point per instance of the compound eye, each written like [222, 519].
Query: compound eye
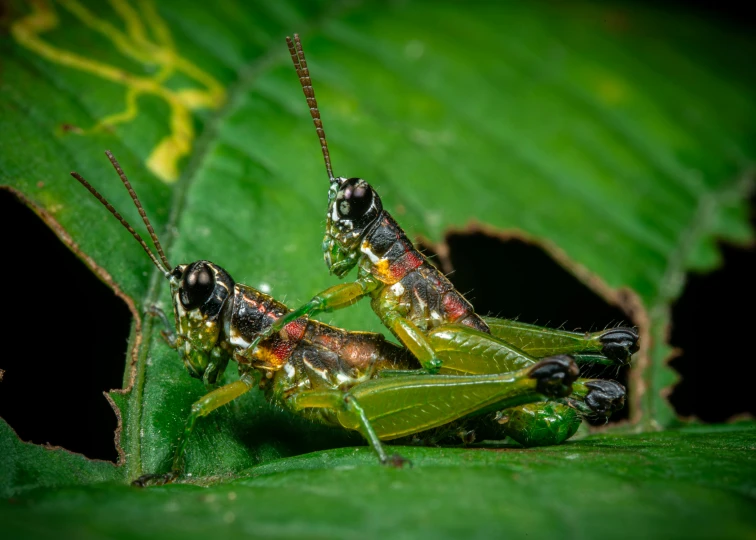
[354, 199]
[197, 285]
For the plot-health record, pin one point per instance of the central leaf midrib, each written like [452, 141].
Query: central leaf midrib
[247, 77]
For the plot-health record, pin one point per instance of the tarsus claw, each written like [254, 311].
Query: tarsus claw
[619, 344]
[555, 375]
[605, 397]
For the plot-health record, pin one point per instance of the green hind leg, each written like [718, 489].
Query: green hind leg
[616, 345]
[394, 407]
[465, 351]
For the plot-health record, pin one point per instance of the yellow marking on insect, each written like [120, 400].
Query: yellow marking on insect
[265, 358]
[382, 268]
[381, 265]
[146, 40]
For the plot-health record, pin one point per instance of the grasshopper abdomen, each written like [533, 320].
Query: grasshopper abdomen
[414, 287]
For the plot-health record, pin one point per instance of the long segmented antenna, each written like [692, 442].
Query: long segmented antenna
[300, 64]
[166, 269]
[138, 204]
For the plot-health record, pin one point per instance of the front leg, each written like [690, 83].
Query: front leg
[334, 298]
[168, 333]
[202, 407]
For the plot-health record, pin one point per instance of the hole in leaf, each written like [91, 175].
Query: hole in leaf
[514, 279]
[69, 334]
[712, 323]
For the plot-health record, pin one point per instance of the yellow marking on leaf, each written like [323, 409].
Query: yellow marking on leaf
[126, 115]
[146, 40]
[132, 20]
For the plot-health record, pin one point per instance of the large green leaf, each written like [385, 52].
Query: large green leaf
[692, 484]
[619, 141]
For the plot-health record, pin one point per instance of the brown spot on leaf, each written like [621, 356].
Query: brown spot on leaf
[70, 128]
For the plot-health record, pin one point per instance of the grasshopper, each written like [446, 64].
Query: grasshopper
[414, 300]
[326, 373]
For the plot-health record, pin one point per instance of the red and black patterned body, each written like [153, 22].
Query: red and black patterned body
[305, 352]
[360, 232]
[218, 320]
[415, 289]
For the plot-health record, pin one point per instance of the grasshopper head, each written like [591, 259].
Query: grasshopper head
[353, 206]
[200, 292]
[353, 209]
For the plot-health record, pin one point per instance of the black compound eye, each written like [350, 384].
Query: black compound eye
[354, 199]
[197, 285]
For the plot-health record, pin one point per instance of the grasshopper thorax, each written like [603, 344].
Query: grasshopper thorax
[354, 209]
[201, 292]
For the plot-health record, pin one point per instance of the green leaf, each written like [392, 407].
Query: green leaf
[619, 141]
[28, 466]
[697, 483]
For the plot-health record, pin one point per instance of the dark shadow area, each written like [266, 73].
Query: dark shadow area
[68, 334]
[725, 12]
[712, 323]
[513, 279]
[516, 280]
[726, 15]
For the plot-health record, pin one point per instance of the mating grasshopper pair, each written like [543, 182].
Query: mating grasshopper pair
[459, 372]
[419, 305]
